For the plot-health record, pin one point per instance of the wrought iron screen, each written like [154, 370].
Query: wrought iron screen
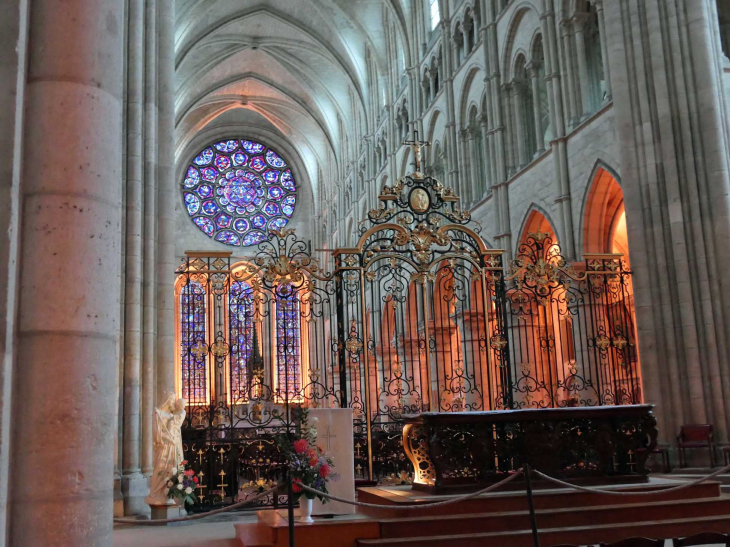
[420, 315]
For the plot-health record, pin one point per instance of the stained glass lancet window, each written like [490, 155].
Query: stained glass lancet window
[193, 348]
[288, 344]
[236, 189]
[240, 325]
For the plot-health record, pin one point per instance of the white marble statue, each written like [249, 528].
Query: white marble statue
[168, 447]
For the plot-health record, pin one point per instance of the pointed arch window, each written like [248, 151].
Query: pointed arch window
[434, 13]
[288, 343]
[241, 317]
[193, 308]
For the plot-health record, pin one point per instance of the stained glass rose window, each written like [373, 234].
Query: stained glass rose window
[235, 190]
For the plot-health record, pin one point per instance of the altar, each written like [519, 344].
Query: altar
[468, 450]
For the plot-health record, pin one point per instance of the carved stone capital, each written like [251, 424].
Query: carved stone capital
[579, 21]
[533, 69]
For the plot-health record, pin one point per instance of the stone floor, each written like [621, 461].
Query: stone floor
[217, 531]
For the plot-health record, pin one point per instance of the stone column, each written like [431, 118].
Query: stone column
[569, 78]
[604, 47]
[558, 143]
[466, 161]
[149, 288]
[510, 148]
[579, 23]
[489, 174]
[134, 484]
[70, 259]
[519, 123]
[474, 167]
[166, 207]
[496, 131]
[534, 73]
[677, 208]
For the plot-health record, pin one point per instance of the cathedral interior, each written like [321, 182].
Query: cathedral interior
[396, 207]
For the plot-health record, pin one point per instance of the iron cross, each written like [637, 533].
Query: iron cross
[417, 145]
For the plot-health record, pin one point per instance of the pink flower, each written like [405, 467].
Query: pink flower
[190, 472]
[324, 471]
[300, 446]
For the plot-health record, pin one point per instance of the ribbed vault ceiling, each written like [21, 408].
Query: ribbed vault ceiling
[291, 67]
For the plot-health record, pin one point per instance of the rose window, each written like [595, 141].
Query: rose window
[236, 190]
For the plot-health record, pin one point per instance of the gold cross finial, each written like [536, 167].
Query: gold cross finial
[417, 145]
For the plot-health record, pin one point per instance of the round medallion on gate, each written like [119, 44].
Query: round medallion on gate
[419, 200]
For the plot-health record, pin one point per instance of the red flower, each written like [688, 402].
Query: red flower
[195, 479]
[313, 462]
[189, 472]
[184, 462]
[324, 471]
[296, 486]
[300, 446]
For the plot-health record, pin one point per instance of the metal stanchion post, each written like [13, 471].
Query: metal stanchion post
[531, 505]
[290, 509]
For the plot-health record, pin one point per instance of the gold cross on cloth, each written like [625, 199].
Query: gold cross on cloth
[417, 145]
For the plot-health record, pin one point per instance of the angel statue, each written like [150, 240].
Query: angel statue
[167, 444]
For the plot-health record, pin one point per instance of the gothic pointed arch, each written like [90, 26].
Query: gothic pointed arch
[604, 216]
[537, 220]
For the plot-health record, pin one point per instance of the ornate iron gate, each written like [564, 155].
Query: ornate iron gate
[419, 316]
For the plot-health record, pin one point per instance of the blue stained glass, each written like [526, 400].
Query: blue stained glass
[193, 367]
[271, 175]
[226, 146]
[241, 185]
[205, 224]
[209, 173]
[226, 236]
[205, 157]
[253, 147]
[239, 158]
[271, 209]
[192, 202]
[288, 343]
[192, 178]
[277, 224]
[257, 163]
[222, 162]
[241, 324]
[241, 225]
[252, 238]
[210, 207]
[274, 159]
[287, 181]
[223, 221]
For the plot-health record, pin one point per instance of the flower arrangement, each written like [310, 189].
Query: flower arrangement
[308, 464]
[182, 483]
